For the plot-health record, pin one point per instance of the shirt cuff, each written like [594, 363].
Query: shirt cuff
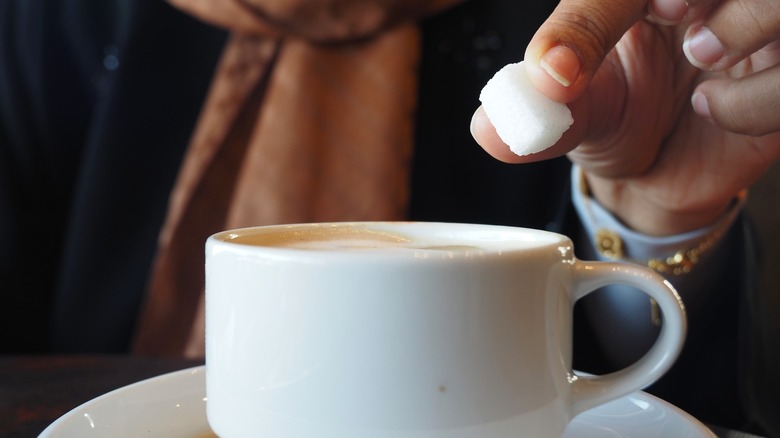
[640, 247]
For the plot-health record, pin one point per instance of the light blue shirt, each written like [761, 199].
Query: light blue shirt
[621, 315]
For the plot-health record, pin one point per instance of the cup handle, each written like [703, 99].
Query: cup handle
[590, 391]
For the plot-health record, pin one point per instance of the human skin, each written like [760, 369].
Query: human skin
[666, 144]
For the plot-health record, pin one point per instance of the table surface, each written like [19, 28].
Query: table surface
[36, 390]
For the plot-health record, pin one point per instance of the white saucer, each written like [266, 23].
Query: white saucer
[174, 406]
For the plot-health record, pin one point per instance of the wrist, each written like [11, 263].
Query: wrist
[644, 213]
[669, 254]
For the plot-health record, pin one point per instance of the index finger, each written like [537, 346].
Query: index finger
[569, 47]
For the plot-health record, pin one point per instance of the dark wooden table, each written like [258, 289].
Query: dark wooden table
[36, 390]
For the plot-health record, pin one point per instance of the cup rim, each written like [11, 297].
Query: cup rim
[500, 238]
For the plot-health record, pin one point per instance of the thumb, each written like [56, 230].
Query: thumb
[569, 47]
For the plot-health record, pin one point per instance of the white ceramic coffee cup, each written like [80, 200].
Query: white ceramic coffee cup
[408, 330]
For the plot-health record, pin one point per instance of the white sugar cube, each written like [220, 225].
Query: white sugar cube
[525, 119]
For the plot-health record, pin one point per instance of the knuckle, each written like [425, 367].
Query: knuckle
[754, 22]
[752, 117]
[591, 25]
[748, 24]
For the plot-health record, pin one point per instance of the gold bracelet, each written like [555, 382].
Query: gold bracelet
[609, 244]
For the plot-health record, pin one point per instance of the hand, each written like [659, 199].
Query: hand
[660, 165]
[732, 32]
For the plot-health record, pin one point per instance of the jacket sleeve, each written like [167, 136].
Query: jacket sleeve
[760, 322]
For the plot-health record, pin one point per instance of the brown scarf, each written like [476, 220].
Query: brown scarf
[291, 131]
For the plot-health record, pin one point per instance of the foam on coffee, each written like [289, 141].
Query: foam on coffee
[344, 237]
[389, 235]
[323, 238]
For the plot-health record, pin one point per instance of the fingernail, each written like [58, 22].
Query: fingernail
[669, 11]
[703, 48]
[700, 105]
[472, 123]
[562, 64]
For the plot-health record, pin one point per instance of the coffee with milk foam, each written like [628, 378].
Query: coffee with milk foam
[336, 237]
